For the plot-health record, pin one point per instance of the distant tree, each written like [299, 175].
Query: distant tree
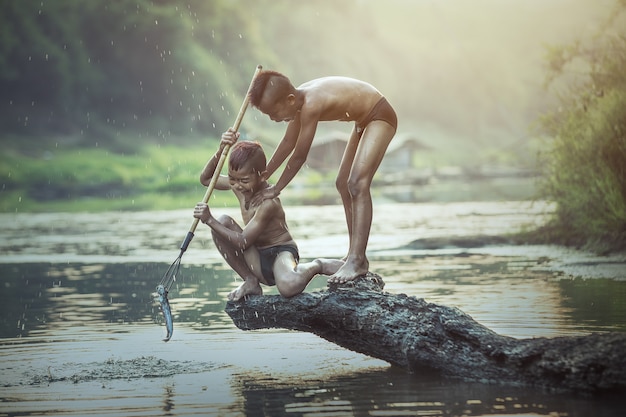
[585, 165]
[43, 64]
[161, 68]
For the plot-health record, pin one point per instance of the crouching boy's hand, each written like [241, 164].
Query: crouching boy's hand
[229, 138]
[202, 212]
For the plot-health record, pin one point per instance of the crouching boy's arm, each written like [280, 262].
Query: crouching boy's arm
[229, 138]
[240, 240]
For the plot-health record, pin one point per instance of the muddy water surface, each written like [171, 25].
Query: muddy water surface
[79, 334]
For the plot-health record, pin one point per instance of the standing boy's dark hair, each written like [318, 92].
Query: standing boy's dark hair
[279, 83]
[247, 152]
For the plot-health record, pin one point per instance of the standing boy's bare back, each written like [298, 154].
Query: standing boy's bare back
[329, 99]
[338, 98]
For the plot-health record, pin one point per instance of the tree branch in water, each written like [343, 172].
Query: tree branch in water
[423, 337]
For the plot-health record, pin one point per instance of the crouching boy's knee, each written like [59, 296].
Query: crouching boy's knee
[226, 220]
[288, 289]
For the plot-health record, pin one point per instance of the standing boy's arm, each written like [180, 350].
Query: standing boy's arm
[285, 147]
[301, 149]
[308, 127]
[298, 158]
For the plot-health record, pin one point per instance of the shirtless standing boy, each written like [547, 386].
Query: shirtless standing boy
[263, 251]
[330, 99]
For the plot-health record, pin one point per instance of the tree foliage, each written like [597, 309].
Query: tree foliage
[585, 166]
[461, 75]
[165, 68]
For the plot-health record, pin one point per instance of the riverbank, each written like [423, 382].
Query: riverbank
[75, 180]
[425, 228]
[571, 262]
[165, 177]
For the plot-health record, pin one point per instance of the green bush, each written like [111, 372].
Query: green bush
[585, 166]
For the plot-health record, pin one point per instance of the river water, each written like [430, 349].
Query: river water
[80, 335]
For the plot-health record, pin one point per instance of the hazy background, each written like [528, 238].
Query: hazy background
[86, 86]
[466, 77]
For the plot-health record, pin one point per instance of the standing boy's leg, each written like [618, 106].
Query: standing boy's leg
[369, 154]
[342, 179]
[246, 264]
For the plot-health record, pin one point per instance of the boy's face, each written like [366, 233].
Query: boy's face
[281, 110]
[246, 180]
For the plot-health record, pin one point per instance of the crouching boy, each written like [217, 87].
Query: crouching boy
[263, 251]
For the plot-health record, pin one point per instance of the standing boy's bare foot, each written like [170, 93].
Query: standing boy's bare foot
[351, 270]
[329, 266]
[249, 287]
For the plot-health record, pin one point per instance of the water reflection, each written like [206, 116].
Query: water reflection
[508, 293]
[41, 297]
[503, 293]
[391, 392]
[168, 400]
[77, 299]
[596, 304]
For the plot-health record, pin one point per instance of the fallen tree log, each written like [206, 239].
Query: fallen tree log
[422, 337]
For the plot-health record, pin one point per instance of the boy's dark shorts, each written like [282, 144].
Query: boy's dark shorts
[382, 110]
[268, 256]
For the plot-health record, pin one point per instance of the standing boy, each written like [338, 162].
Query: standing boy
[330, 99]
[263, 251]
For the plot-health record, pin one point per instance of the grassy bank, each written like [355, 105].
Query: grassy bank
[151, 177]
[74, 180]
